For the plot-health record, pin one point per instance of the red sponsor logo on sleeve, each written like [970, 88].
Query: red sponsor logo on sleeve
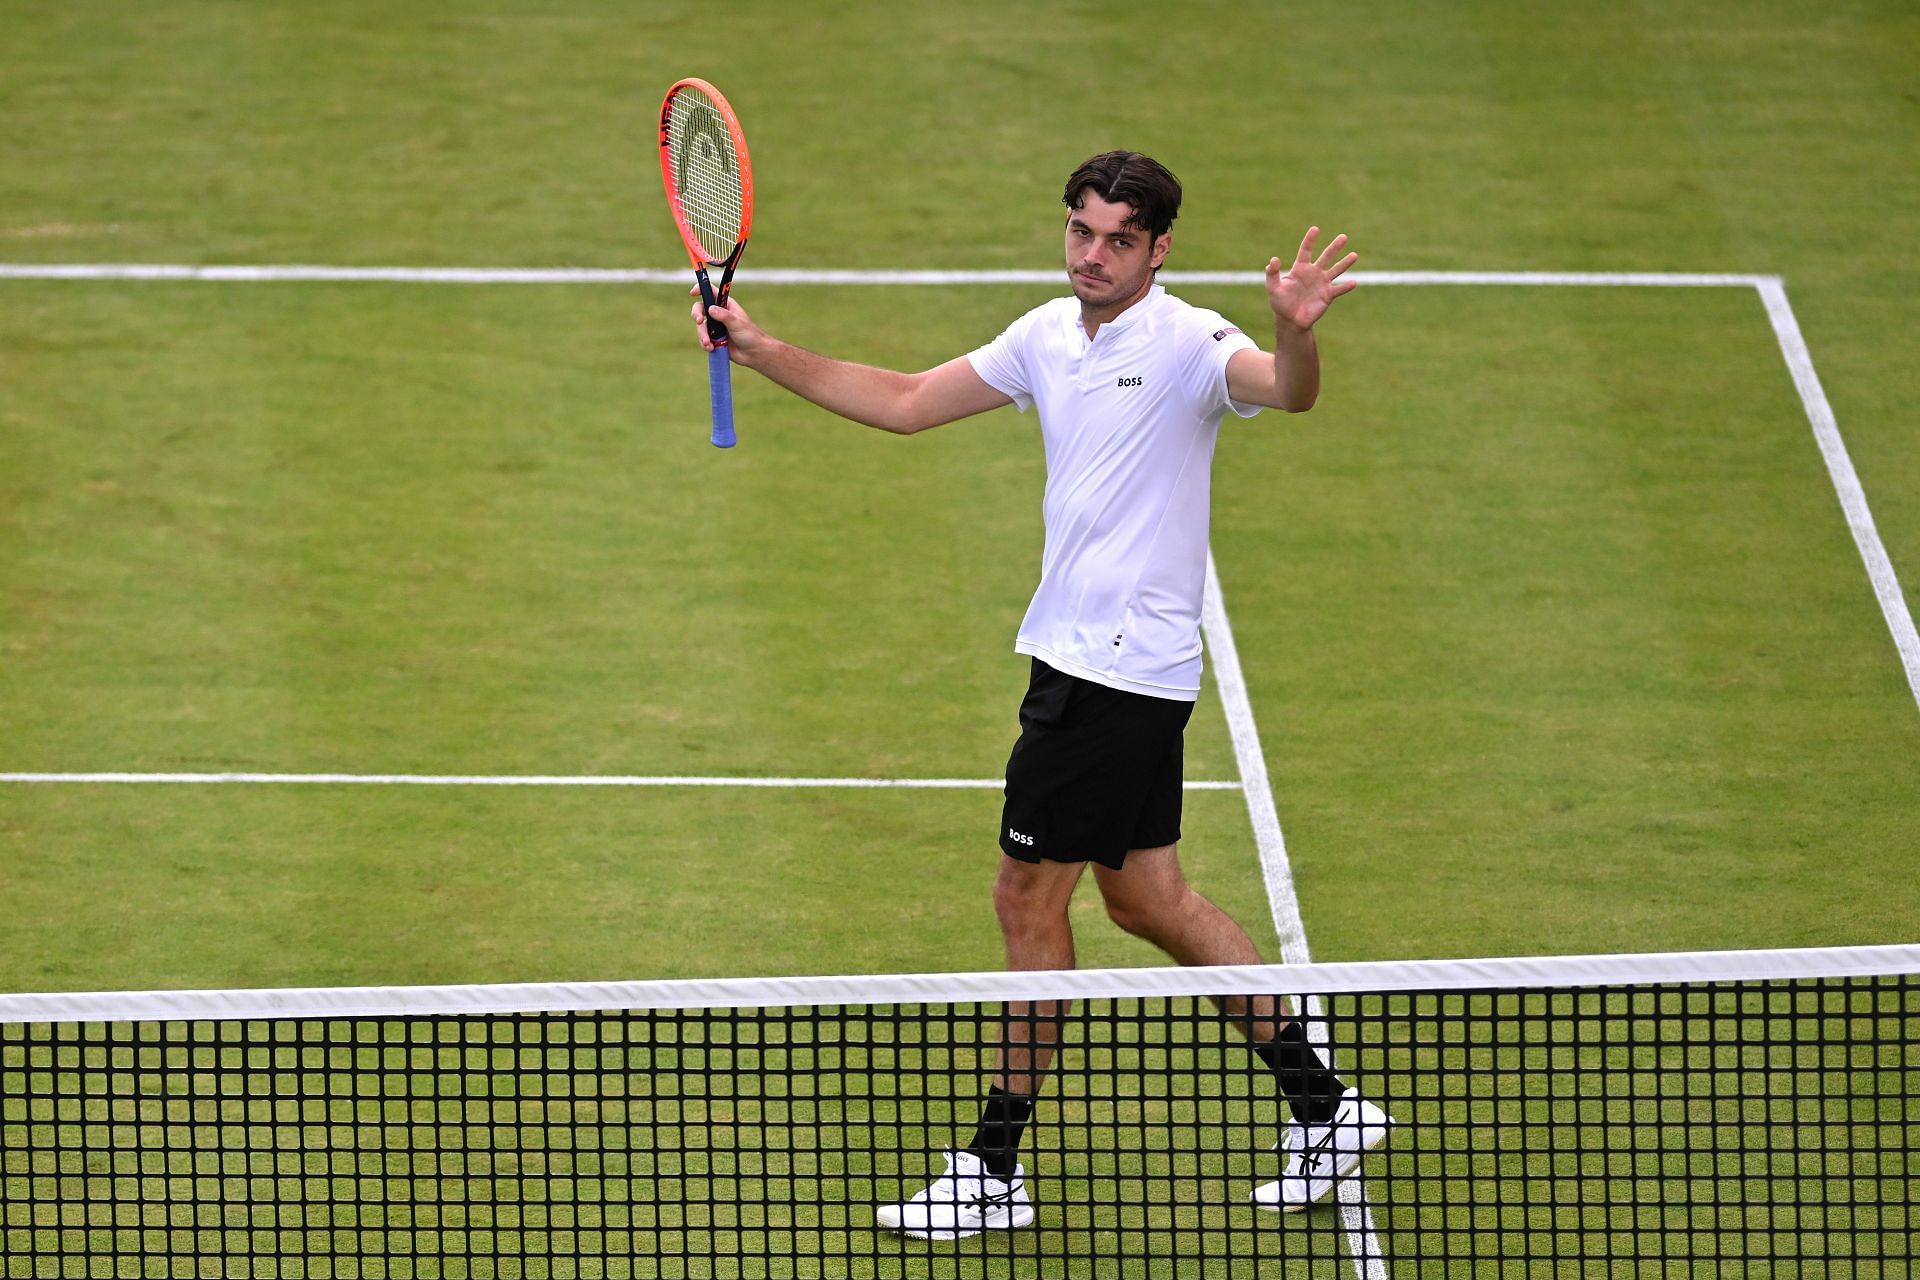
[1223, 333]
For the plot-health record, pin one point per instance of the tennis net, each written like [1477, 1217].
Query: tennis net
[1730, 1113]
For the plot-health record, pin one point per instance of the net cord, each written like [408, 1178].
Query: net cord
[985, 987]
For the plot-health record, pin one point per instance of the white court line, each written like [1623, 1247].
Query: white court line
[1363, 1241]
[1252, 762]
[310, 274]
[1846, 484]
[527, 780]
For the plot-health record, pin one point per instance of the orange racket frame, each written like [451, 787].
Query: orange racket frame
[720, 377]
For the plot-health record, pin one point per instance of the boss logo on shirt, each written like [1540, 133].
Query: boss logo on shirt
[1131, 382]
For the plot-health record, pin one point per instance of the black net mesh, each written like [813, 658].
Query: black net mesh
[1759, 1128]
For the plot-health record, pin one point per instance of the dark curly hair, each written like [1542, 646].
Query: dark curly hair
[1127, 177]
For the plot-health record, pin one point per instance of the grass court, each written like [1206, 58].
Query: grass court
[1553, 628]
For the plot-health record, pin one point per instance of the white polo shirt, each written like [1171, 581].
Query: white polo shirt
[1129, 419]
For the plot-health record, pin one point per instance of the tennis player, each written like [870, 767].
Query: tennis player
[1132, 385]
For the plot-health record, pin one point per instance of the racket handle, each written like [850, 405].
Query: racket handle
[720, 383]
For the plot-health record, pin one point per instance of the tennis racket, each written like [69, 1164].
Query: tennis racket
[703, 161]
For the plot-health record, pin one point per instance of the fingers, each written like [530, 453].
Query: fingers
[700, 321]
[1329, 263]
[1326, 260]
[722, 313]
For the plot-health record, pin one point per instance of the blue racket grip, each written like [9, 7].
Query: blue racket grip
[720, 383]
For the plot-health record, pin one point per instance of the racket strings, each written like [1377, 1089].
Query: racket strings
[706, 172]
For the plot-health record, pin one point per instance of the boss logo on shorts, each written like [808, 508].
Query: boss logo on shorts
[1020, 837]
[1131, 382]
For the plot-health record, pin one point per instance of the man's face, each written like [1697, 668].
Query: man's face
[1109, 260]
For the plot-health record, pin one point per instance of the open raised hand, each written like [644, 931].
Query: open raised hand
[1302, 295]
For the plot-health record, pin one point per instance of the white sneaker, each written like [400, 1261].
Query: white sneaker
[1319, 1155]
[962, 1202]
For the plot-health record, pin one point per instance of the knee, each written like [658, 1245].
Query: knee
[1142, 918]
[1021, 910]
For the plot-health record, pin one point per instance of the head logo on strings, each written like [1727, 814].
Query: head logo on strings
[704, 131]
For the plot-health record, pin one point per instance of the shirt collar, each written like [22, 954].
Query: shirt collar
[1128, 318]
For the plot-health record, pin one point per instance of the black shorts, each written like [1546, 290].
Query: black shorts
[1096, 772]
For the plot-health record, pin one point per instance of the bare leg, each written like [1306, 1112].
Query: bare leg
[1031, 901]
[1150, 898]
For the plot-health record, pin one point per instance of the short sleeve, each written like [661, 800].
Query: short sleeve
[1213, 341]
[1002, 364]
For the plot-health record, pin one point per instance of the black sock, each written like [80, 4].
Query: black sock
[997, 1140]
[1312, 1091]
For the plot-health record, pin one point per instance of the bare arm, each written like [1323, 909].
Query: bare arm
[1290, 378]
[899, 402]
